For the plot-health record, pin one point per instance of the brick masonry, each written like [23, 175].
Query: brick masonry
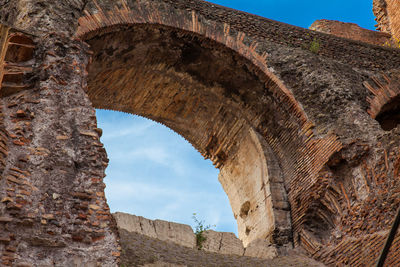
[387, 14]
[317, 170]
[351, 31]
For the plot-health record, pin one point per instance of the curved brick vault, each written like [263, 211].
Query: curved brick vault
[199, 89]
[292, 131]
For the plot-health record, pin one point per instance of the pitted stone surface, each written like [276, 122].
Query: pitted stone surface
[166, 231]
[261, 249]
[351, 31]
[223, 243]
[139, 250]
[387, 13]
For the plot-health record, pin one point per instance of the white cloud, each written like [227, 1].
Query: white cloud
[153, 172]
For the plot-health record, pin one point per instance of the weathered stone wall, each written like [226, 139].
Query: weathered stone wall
[326, 148]
[52, 204]
[351, 31]
[180, 234]
[321, 93]
[183, 235]
[162, 243]
[141, 250]
[387, 14]
[41, 16]
[256, 192]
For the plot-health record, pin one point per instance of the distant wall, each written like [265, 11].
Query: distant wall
[183, 235]
[350, 31]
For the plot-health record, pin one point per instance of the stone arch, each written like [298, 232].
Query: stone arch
[384, 105]
[106, 17]
[199, 89]
[273, 113]
[253, 181]
[15, 65]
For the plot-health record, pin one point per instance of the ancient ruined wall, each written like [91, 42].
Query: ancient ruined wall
[183, 235]
[158, 243]
[256, 192]
[206, 113]
[248, 195]
[387, 14]
[37, 17]
[52, 204]
[327, 149]
[351, 31]
[326, 84]
[52, 207]
[141, 250]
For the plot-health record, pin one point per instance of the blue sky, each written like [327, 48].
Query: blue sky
[155, 173]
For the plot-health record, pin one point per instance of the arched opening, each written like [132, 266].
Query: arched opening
[17, 65]
[389, 115]
[153, 172]
[201, 90]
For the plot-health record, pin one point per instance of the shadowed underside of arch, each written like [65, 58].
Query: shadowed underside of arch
[200, 90]
[204, 81]
[214, 85]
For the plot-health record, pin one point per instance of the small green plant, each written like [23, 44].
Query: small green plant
[200, 227]
[315, 46]
[393, 44]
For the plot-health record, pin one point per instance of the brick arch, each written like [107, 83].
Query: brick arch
[52, 200]
[201, 90]
[148, 12]
[275, 115]
[383, 106]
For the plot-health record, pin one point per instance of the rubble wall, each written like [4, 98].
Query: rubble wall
[324, 172]
[387, 13]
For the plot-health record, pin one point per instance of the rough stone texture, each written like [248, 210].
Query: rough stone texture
[166, 231]
[140, 250]
[246, 180]
[261, 249]
[224, 243]
[42, 16]
[387, 14]
[305, 139]
[163, 264]
[351, 31]
[181, 234]
[51, 198]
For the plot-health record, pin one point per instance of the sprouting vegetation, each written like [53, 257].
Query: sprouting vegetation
[315, 46]
[200, 227]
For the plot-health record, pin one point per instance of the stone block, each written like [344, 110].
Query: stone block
[175, 232]
[230, 244]
[135, 224]
[222, 242]
[167, 231]
[260, 248]
[212, 241]
[282, 218]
